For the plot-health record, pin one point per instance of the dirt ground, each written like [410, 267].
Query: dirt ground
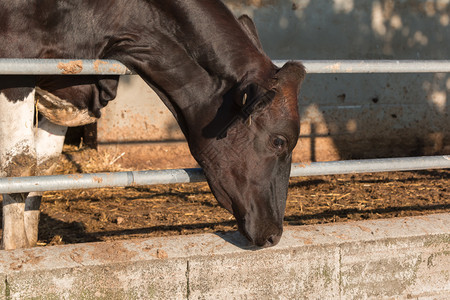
[79, 216]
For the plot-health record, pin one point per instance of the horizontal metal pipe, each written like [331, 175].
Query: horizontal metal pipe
[373, 66]
[98, 180]
[14, 66]
[139, 178]
[371, 165]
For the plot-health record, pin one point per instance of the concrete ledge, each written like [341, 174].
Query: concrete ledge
[394, 258]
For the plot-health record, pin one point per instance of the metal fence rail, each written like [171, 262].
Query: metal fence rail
[373, 66]
[134, 178]
[112, 67]
[140, 178]
[25, 66]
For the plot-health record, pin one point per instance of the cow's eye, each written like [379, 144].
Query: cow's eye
[279, 142]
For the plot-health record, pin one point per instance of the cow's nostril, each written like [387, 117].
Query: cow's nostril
[274, 239]
[271, 241]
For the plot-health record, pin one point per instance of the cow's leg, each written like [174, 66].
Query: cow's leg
[49, 141]
[17, 155]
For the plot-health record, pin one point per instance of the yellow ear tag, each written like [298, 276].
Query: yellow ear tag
[244, 99]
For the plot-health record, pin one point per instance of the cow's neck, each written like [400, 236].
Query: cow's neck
[193, 66]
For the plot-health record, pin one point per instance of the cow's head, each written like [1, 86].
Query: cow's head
[241, 124]
[247, 154]
[246, 146]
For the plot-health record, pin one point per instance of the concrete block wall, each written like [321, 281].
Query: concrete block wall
[404, 258]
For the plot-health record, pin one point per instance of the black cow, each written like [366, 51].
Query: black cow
[238, 111]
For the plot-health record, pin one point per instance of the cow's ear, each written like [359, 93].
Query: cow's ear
[291, 74]
[250, 28]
